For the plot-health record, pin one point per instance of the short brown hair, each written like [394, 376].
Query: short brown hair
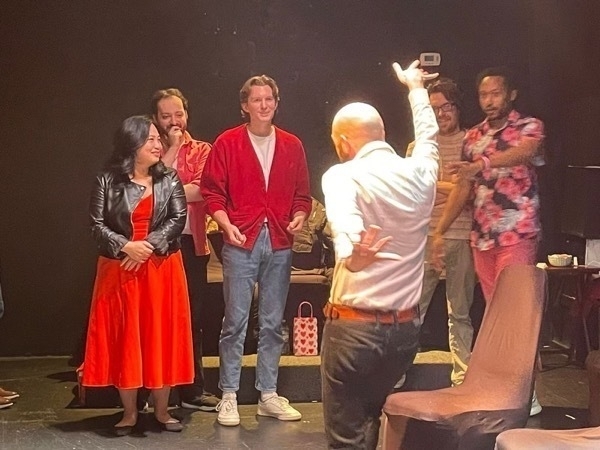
[165, 93]
[449, 89]
[257, 80]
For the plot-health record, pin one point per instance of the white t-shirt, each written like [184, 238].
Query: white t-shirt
[264, 147]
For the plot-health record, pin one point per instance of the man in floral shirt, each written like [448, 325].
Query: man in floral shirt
[498, 169]
[498, 172]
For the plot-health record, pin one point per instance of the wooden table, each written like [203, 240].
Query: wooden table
[579, 275]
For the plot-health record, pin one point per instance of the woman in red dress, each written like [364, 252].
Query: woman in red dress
[139, 332]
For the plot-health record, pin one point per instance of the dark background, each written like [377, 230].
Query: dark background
[71, 71]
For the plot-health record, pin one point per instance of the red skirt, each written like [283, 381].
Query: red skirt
[139, 332]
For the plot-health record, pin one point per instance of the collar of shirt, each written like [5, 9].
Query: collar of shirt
[372, 146]
[187, 138]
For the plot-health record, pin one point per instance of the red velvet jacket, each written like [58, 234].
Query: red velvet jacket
[233, 181]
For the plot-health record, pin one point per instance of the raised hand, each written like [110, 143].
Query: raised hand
[413, 77]
[174, 137]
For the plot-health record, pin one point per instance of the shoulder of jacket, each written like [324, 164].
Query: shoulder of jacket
[231, 132]
[105, 176]
[170, 173]
[280, 133]
[224, 139]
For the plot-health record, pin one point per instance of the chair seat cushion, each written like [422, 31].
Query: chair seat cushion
[586, 438]
[476, 430]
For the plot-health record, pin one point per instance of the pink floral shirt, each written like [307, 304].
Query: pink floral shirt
[506, 205]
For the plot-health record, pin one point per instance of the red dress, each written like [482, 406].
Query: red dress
[139, 330]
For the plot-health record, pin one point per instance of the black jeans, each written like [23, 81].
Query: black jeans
[195, 272]
[360, 364]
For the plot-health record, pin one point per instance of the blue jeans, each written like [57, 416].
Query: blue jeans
[360, 364]
[242, 269]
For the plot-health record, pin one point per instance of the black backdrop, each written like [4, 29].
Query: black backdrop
[71, 71]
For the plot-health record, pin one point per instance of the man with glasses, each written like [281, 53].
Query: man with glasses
[445, 99]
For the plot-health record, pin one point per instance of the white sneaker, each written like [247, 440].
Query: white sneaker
[228, 412]
[536, 408]
[278, 407]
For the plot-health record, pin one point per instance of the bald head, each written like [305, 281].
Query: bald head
[354, 126]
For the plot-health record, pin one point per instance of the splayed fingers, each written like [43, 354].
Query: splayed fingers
[412, 76]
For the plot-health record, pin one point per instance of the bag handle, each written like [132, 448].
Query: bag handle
[300, 308]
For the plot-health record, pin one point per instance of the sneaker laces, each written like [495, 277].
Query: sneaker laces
[226, 404]
[281, 402]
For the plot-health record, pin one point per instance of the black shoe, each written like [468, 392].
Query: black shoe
[122, 431]
[204, 402]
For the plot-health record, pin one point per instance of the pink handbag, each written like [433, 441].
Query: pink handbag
[306, 341]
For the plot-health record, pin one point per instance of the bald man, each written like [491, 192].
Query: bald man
[371, 331]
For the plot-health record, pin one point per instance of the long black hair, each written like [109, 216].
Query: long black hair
[129, 137]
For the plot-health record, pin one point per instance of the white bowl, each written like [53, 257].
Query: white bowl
[560, 260]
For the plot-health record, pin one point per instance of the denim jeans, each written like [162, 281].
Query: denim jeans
[360, 364]
[242, 269]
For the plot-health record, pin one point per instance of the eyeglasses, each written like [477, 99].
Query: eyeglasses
[446, 107]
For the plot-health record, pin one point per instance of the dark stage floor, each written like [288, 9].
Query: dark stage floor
[47, 417]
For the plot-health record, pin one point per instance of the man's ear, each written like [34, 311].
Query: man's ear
[513, 95]
[344, 142]
[347, 149]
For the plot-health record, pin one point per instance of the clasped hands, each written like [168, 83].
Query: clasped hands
[137, 253]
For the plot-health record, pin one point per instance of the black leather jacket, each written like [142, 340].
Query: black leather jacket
[113, 200]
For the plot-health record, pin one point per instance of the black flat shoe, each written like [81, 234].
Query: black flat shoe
[172, 425]
[122, 431]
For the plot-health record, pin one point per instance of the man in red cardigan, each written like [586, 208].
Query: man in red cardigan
[256, 187]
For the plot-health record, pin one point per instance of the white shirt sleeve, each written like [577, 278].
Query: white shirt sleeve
[425, 125]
